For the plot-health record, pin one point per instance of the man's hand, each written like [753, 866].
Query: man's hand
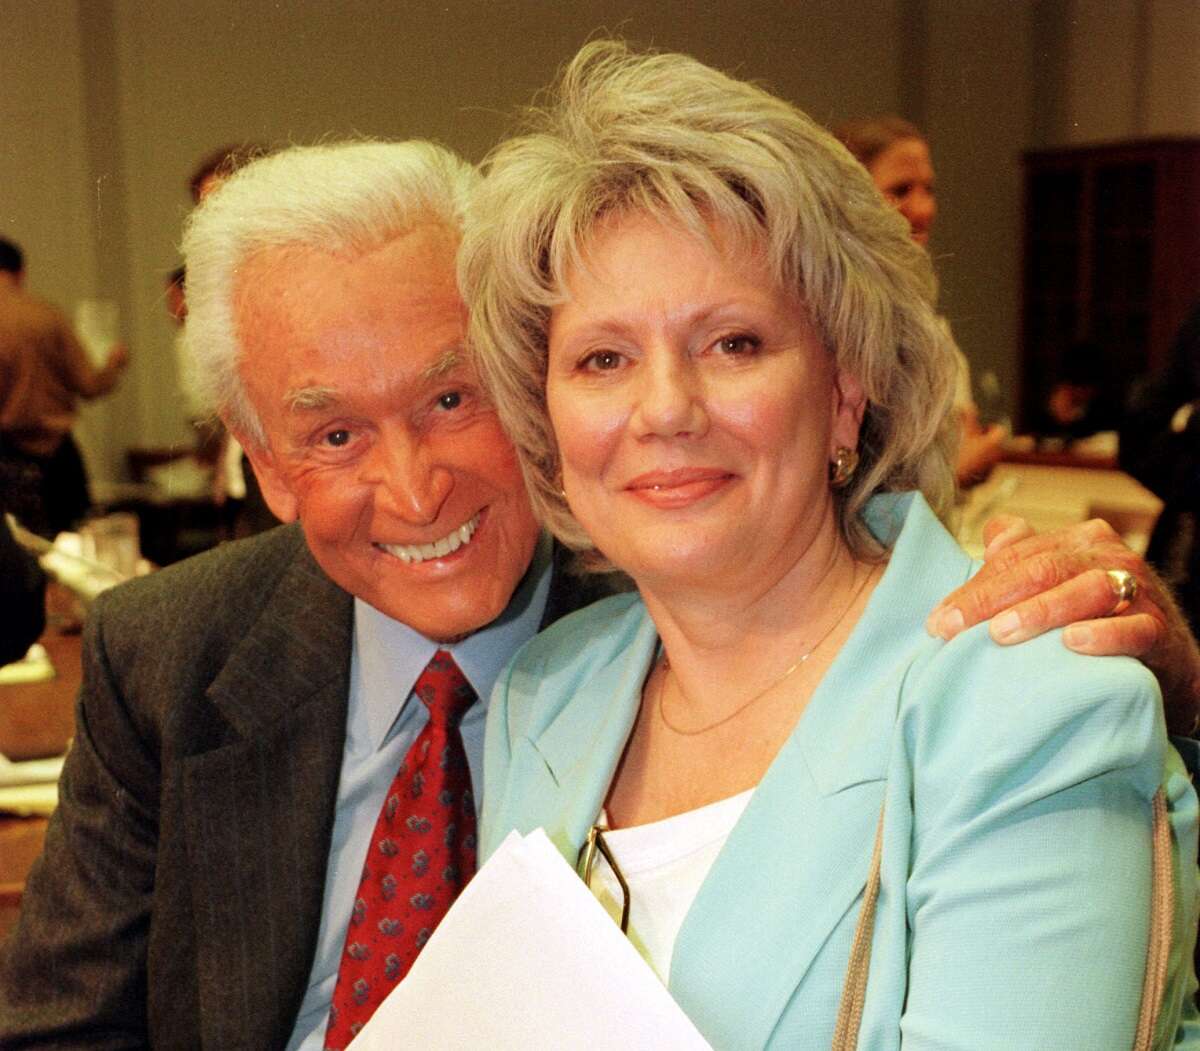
[1033, 582]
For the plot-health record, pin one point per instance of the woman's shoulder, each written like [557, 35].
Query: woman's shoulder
[1038, 703]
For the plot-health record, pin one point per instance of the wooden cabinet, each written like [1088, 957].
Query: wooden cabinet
[1111, 259]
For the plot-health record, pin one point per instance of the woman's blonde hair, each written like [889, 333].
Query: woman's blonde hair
[664, 135]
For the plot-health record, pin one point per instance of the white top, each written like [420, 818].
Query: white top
[664, 863]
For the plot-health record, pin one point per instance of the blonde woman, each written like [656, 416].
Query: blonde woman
[717, 352]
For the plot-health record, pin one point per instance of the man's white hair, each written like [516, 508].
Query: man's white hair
[346, 198]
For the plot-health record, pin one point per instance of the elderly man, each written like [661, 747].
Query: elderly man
[244, 714]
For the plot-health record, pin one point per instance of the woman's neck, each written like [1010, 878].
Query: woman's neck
[736, 643]
[738, 673]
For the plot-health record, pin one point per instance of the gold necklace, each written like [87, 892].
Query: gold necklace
[666, 668]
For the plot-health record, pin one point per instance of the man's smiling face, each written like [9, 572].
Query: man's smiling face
[379, 438]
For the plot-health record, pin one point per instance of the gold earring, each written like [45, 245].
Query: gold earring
[845, 462]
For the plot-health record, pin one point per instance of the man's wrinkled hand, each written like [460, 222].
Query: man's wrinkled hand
[1031, 583]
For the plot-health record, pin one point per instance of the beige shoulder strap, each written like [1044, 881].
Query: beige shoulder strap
[1158, 949]
[1162, 922]
[854, 991]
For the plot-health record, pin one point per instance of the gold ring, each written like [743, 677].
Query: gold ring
[1125, 588]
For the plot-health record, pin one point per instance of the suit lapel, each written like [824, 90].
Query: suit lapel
[259, 810]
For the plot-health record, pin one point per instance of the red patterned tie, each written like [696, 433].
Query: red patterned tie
[421, 855]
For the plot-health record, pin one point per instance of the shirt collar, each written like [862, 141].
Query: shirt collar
[390, 655]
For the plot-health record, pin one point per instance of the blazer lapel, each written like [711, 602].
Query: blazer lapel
[573, 756]
[792, 867]
[259, 810]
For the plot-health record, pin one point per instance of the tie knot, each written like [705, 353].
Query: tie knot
[444, 690]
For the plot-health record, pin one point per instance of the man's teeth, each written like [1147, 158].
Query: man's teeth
[439, 548]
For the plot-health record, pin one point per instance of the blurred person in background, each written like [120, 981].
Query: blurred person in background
[235, 487]
[896, 155]
[209, 433]
[1083, 400]
[44, 371]
[218, 165]
[1160, 446]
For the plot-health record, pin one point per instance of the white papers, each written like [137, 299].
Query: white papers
[527, 958]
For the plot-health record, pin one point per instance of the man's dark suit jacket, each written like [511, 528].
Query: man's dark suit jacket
[178, 899]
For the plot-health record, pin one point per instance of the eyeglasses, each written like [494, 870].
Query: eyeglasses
[593, 845]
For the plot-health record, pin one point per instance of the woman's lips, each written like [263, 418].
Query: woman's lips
[678, 488]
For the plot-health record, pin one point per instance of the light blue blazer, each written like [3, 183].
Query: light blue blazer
[1014, 897]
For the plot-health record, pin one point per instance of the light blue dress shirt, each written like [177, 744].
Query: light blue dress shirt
[383, 720]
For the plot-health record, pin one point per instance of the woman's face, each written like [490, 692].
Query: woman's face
[904, 174]
[695, 409]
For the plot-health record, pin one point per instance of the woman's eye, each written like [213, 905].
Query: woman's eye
[602, 361]
[737, 345]
[452, 399]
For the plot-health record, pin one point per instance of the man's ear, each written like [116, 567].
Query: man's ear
[273, 482]
[849, 406]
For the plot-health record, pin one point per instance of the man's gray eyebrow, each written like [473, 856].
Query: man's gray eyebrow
[309, 398]
[448, 362]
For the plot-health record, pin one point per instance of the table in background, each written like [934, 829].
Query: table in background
[36, 721]
[1052, 495]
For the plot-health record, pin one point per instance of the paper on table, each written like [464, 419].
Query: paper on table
[30, 771]
[527, 958]
[29, 788]
[29, 800]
